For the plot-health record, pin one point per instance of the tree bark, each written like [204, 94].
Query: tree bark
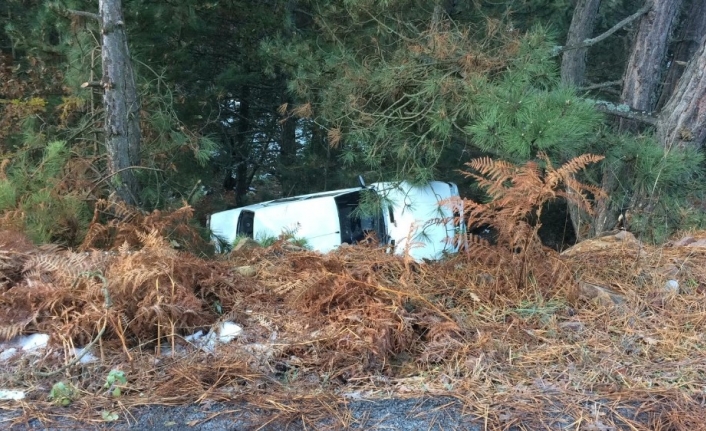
[640, 86]
[122, 107]
[242, 147]
[606, 34]
[291, 183]
[573, 67]
[646, 63]
[682, 122]
[573, 62]
[692, 31]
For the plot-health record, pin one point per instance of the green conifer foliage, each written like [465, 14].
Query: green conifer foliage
[52, 136]
[397, 98]
[662, 189]
[36, 196]
[225, 90]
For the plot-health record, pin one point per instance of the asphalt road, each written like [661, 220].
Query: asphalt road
[438, 413]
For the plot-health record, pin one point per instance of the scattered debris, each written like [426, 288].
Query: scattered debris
[223, 333]
[247, 270]
[34, 341]
[86, 357]
[698, 243]
[682, 242]
[623, 241]
[11, 394]
[23, 343]
[245, 244]
[671, 286]
[573, 326]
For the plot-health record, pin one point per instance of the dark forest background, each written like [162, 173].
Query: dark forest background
[224, 103]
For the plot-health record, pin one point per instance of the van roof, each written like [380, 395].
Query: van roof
[332, 193]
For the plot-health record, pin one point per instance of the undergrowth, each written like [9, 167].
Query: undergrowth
[520, 347]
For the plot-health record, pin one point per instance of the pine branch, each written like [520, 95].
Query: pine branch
[63, 11]
[590, 42]
[602, 85]
[84, 14]
[624, 111]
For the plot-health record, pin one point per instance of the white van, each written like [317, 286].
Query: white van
[417, 219]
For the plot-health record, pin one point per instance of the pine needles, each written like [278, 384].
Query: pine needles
[362, 322]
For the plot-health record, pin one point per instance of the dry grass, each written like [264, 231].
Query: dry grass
[359, 322]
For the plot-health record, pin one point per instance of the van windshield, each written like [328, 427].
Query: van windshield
[358, 224]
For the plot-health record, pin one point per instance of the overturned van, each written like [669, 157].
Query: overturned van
[419, 220]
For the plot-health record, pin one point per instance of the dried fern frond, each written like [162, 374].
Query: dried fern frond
[116, 224]
[572, 166]
[63, 267]
[15, 320]
[518, 194]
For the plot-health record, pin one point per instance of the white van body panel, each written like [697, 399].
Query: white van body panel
[417, 219]
[223, 225]
[423, 218]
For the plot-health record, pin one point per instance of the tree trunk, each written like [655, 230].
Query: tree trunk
[291, 181]
[687, 43]
[122, 107]
[646, 63]
[682, 122]
[323, 151]
[640, 87]
[573, 62]
[241, 149]
[573, 70]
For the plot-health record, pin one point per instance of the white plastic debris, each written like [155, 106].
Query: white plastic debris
[167, 351]
[228, 331]
[11, 394]
[87, 357]
[34, 341]
[22, 344]
[7, 354]
[28, 344]
[194, 337]
[672, 286]
[224, 332]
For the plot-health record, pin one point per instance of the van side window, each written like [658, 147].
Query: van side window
[346, 204]
[246, 222]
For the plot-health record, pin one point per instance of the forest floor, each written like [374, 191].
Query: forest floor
[608, 335]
